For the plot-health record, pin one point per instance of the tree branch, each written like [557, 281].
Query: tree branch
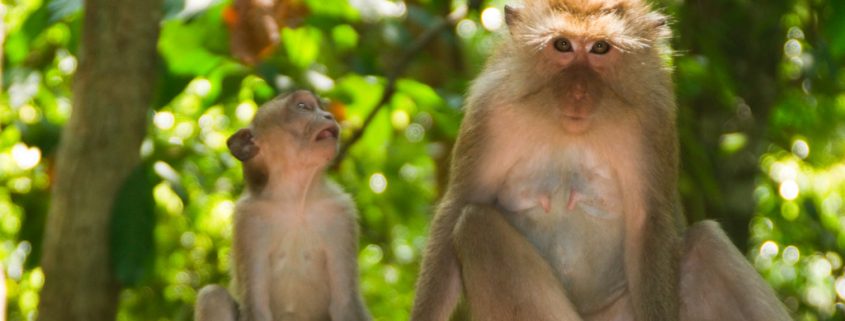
[416, 47]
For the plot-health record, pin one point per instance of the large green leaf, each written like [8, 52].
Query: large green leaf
[183, 50]
[133, 220]
[302, 45]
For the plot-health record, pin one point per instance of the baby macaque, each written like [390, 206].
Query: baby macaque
[295, 232]
[562, 202]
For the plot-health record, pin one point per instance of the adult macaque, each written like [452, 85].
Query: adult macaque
[295, 232]
[562, 203]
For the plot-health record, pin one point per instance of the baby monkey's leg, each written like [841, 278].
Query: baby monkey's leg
[215, 304]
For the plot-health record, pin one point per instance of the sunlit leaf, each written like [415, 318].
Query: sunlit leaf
[183, 51]
[345, 37]
[339, 9]
[302, 45]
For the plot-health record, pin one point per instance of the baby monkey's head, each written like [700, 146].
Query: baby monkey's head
[292, 130]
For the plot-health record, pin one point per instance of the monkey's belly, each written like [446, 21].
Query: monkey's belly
[573, 216]
[299, 289]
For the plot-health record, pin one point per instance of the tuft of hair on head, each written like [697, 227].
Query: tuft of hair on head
[628, 25]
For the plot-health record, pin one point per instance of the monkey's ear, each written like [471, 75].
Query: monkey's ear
[241, 145]
[511, 15]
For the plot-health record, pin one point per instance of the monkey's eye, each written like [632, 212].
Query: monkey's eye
[562, 45]
[304, 106]
[600, 47]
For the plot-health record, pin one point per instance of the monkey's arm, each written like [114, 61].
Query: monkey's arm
[718, 283]
[342, 260]
[439, 284]
[251, 262]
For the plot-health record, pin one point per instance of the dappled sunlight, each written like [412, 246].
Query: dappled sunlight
[492, 18]
[378, 183]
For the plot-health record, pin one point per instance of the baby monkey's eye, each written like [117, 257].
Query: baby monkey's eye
[562, 45]
[304, 106]
[600, 47]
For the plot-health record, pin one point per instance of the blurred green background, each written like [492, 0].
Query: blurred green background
[759, 85]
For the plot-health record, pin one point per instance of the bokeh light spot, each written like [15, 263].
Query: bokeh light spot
[371, 255]
[29, 114]
[820, 268]
[491, 18]
[164, 120]
[792, 48]
[840, 287]
[200, 87]
[245, 111]
[769, 249]
[400, 119]
[415, 133]
[378, 183]
[26, 157]
[801, 149]
[391, 274]
[789, 190]
[791, 254]
[466, 28]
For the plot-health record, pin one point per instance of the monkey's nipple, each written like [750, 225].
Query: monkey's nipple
[574, 197]
[545, 202]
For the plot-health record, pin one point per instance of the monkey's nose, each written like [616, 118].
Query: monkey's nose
[328, 116]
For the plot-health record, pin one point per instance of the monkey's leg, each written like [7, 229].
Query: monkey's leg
[215, 304]
[504, 276]
[718, 283]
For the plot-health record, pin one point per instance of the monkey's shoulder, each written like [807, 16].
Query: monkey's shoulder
[263, 214]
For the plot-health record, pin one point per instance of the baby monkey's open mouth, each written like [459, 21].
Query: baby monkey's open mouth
[328, 132]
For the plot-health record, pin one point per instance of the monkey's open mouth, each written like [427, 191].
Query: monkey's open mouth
[330, 132]
[575, 117]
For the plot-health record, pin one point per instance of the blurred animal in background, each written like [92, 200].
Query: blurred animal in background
[255, 25]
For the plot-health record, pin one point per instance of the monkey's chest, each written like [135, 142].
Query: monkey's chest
[298, 267]
[569, 206]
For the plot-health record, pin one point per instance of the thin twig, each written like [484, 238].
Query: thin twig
[419, 44]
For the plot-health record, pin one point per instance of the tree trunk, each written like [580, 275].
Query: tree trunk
[100, 145]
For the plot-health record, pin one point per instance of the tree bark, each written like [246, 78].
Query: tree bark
[100, 145]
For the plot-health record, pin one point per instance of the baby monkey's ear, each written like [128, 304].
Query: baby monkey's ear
[241, 145]
[511, 16]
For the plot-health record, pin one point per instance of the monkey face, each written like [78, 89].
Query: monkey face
[585, 54]
[288, 127]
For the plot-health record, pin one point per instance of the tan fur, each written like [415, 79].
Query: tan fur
[535, 117]
[516, 96]
[719, 284]
[295, 233]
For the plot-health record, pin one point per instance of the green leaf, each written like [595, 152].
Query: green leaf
[332, 8]
[183, 50]
[302, 45]
[17, 47]
[422, 94]
[133, 220]
[345, 37]
[836, 28]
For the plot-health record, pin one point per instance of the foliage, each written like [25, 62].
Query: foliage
[794, 139]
